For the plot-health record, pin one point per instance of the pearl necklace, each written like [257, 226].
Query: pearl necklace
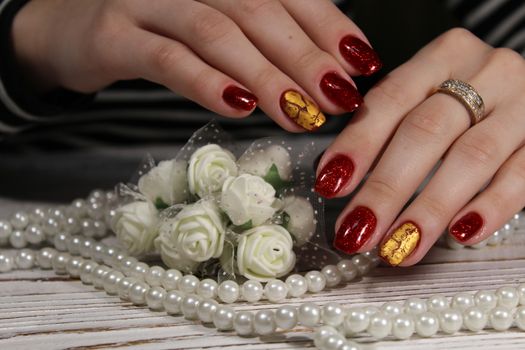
[176, 294]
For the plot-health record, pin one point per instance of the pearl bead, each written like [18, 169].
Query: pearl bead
[333, 342]
[45, 257]
[206, 309]
[348, 270]
[172, 302]
[5, 229]
[95, 210]
[97, 195]
[37, 216]
[124, 287]
[474, 319]
[356, 321]
[462, 301]
[521, 293]
[520, 317]
[315, 280]
[100, 228]
[332, 275]
[109, 257]
[362, 263]
[380, 325]
[485, 300]
[111, 280]
[452, 243]
[264, 322]
[117, 260]
[286, 317]
[85, 271]
[437, 303]
[507, 230]
[154, 276]
[98, 250]
[371, 310]
[321, 333]
[223, 318]
[403, 326]
[127, 264]
[332, 314]
[297, 285]
[59, 263]
[500, 318]
[228, 292]
[73, 244]
[6, 262]
[51, 226]
[87, 227]
[508, 297]
[139, 270]
[350, 345]
[479, 245]
[275, 290]
[252, 291]
[109, 217]
[188, 284]
[17, 239]
[20, 220]
[207, 288]
[415, 306]
[495, 238]
[98, 274]
[189, 305]
[309, 314]
[170, 280]
[25, 259]
[427, 324]
[73, 266]
[78, 208]
[59, 241]
[33, 234]
[72, 225]
[137, 293]
[450, 320]
[243, 323]
[154, 298]
[391, 308]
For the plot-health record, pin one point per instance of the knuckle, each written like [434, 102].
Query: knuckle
[202, 82]
[389, 92]
[435, 208]
[478, 148]
[382, 188]
[517, 167]
[264, 78]
[210, 26]
[164, 57]
[422, 125]
[455, 37]
[309, 58]
[508, 59]
[253, 7]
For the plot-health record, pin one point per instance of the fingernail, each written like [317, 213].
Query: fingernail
[301, 110]
[239, 98]
[355, 230]
[356, 52]
[334, 176]
[341, 92]
[467, 227]
[401, 244]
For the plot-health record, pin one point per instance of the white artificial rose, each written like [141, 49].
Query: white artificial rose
[166, 184]
[248, 198]
[209, 167]
[259, 162]
[135, 225]
[300, 219]
[194, 235]
[265, 252]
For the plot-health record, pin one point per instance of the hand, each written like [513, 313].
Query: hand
[408, 129]
[212, 52]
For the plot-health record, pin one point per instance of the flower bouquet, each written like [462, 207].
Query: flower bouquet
[209, 212]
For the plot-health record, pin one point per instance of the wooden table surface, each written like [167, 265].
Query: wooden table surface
[39, 310]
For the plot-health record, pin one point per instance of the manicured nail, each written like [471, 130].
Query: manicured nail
[355, 230]
[341, 92]
[401, 244]
[301, 110]
[356, 52]
[239, 98]
[467, 227]
[334, 176]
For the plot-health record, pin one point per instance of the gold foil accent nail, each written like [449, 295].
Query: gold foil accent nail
[401, 244]
[301, 110]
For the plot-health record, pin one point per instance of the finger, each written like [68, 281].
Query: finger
[471, 162]
[288, 47]
[174, 65]
[336, 34]
[493, 207]
[219, 42]
[387, 104]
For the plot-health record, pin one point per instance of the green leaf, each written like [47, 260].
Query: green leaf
[244, 227]
[160, 204]
[274, 179]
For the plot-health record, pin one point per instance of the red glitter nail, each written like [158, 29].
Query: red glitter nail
[355, 230]
[340, 91]
[466, 227]
[239, 98]
[360, 55]
[334, 176]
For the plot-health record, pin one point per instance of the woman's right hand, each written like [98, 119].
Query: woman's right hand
[226, 55]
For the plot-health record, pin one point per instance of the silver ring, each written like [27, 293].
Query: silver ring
[467, 95]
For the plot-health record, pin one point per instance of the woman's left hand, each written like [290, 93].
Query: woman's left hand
[405, 129]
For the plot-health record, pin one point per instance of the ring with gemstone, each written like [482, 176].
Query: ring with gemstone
[467, 95]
